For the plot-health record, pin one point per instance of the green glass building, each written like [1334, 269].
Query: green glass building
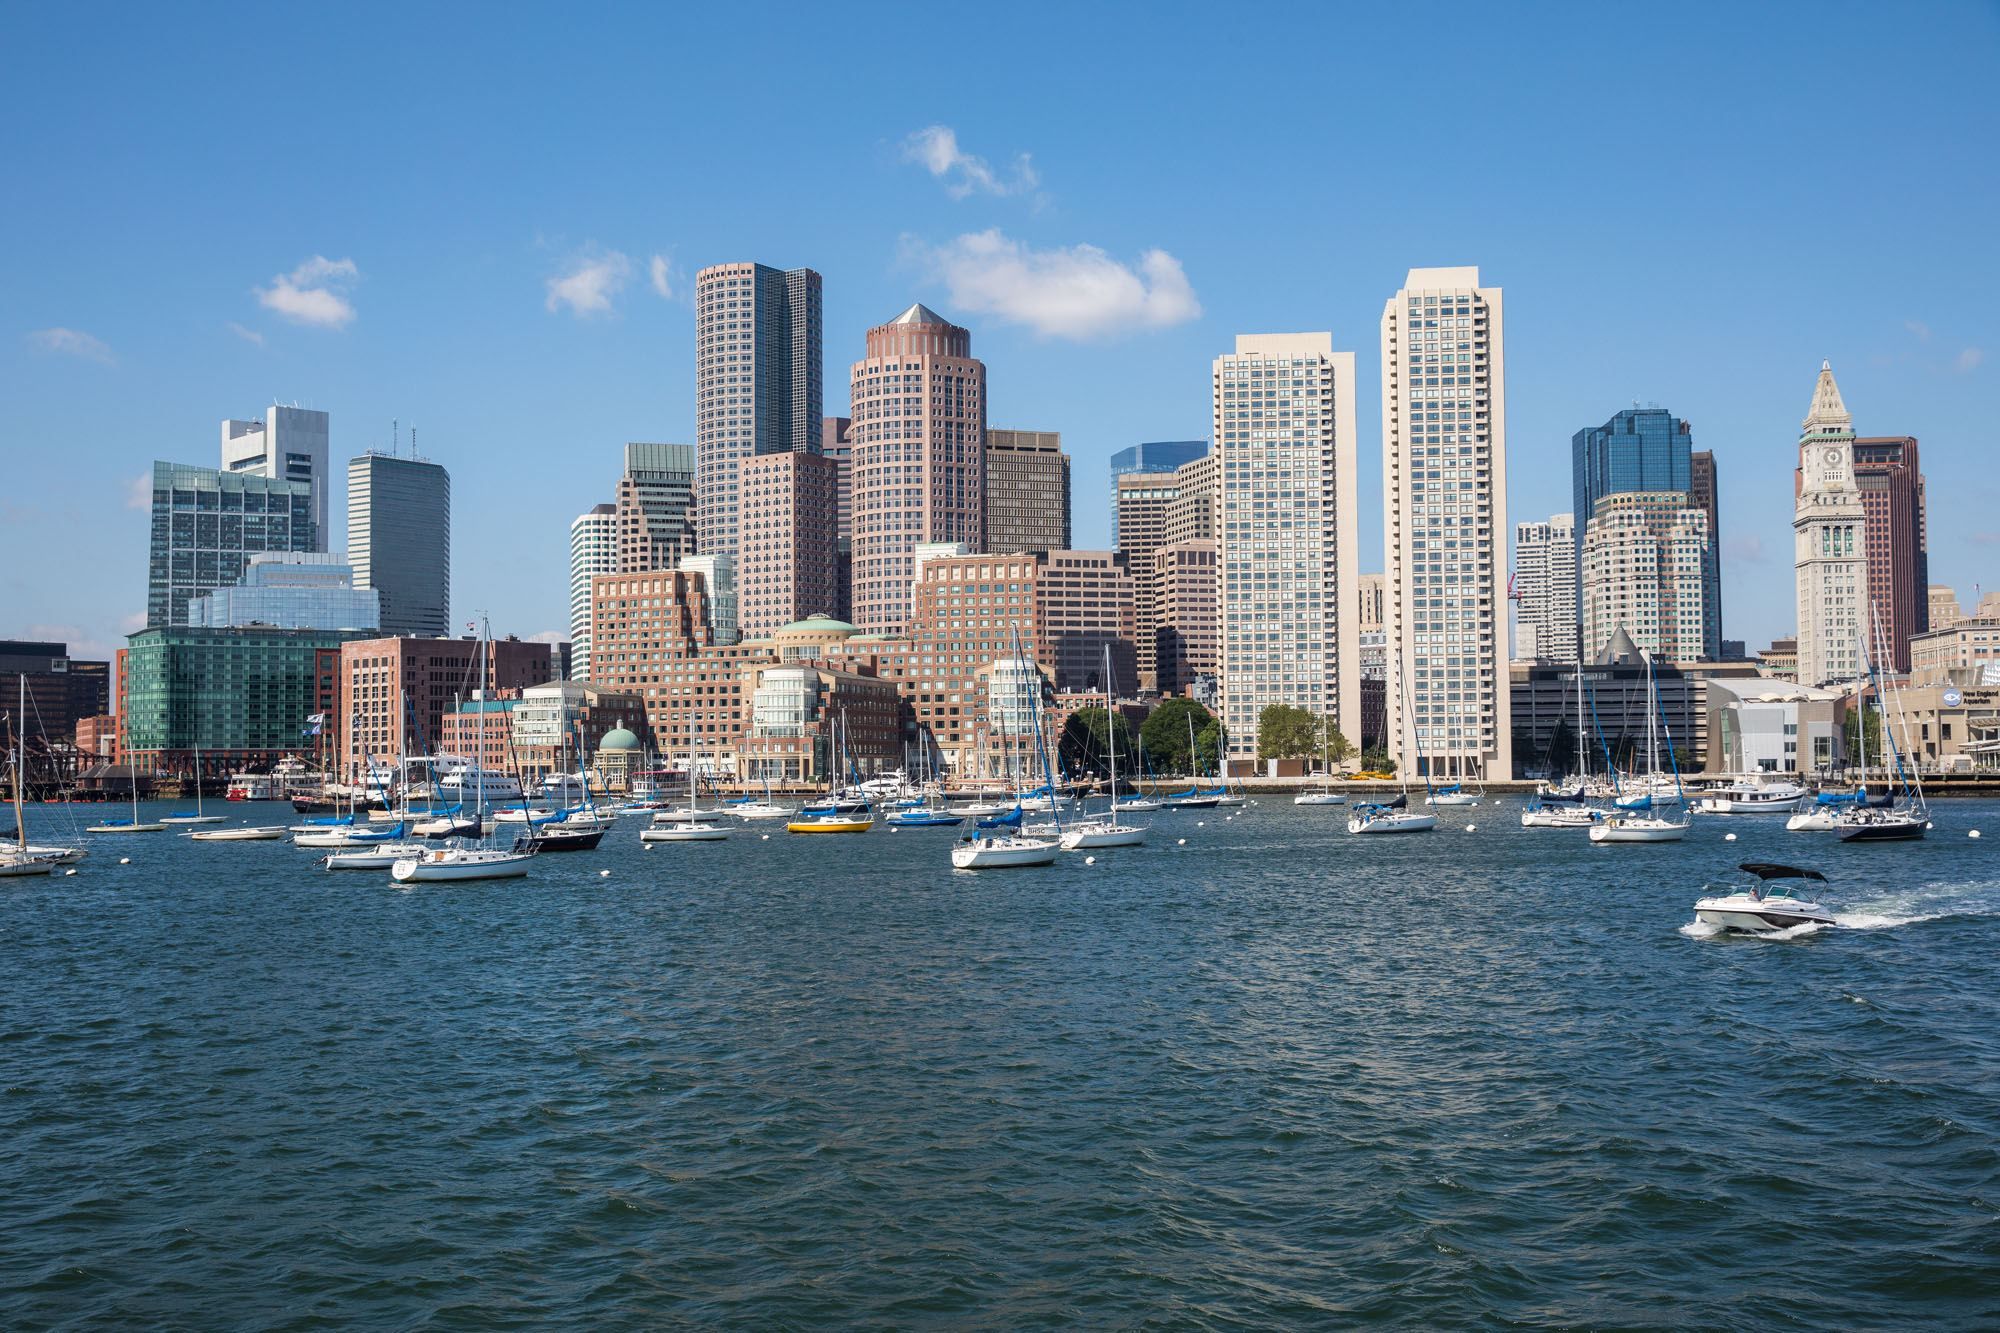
[206, 525]
[237, 694]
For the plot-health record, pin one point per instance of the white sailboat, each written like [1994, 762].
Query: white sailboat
[198, 817]
[1326, 795]
[131, 825]
[22, 862]
[999, 843]
[1106, 831]
[1396, 816]
[245, 833]
[1638, 823]
[1544, 810]
[464, 861]
[691, 824]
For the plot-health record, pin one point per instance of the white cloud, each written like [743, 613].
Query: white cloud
[139, 491]
[314, 293]
[1918, 329]
[72, 342]
[661, 271]
[1077, 292]
[548, 636]
[247, 335]
[936, 150]
[589, 281]
[1968, 360]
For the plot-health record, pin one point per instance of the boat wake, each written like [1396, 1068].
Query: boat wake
[1702, 930]
[1935, 901]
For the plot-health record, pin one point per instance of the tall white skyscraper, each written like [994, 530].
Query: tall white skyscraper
[593, 550]
[289, 444]
[1444, 492]
[1644, 563]
[1286, 532]
[1830, 556]
[1545, 588]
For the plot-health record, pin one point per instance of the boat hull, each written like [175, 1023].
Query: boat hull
[512, 866]
[1631, 831]
[1556, 819]
[1887, 830]
[684, 833]
[1393, 823]
[834, 825]
[126, 828]
[269, 834]
[17, 867]
[1750, 916]
[1103, 835]
[1452, 799]
[1003, 853]
[1319, 798]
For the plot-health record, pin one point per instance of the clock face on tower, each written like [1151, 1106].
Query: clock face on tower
[1831, 457]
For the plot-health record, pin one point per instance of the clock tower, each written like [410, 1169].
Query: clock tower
[1829, 555]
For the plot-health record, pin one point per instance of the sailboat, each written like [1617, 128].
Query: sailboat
[927, 811]
[999, 842]
[131, 825]
[466, 860]
[1105, 831]
[1548, 809]
[690, 824]
[1326, 795]
[22, 862]
[830, 818]
[1637, 822]
[197, 817]
[1396, 816]
[1909, 817]
[1194, 798]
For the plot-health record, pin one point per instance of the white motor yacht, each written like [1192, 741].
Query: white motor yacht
[1753, 797]
[1762, 910]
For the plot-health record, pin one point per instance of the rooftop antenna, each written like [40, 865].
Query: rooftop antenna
[413, 443]
[395, 436]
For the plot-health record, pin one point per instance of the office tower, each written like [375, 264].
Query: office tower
[1649, 450]
[655, 505]
[1186, 626]
[1444, 463]
[289, 444]
[1643, 575]
[1830, 553]
[291, 590]
[836, 442]
[1545, 583]
[1704, 490]
[1368, 589]
[207, 523]
[399, 539]
[1899, 564]
[1027, 491]
[1287, 531]
[1945, 610]
[1153, 456]
[241, 696]
[1084, 609]
[593, 550]
[1191, 513]
[787, 567]
[718, 581]
[757, 382]
[919, 438]
[1139, 518]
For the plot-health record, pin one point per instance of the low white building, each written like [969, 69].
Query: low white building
[1758, 725]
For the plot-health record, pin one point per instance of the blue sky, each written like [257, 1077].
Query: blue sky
[1690, 206]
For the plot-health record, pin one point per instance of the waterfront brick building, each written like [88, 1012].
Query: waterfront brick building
[787, 567]
[393, 693]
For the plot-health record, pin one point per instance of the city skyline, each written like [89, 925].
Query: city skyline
[540, 330]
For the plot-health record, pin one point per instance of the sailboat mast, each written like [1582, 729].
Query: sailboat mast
[21, 765]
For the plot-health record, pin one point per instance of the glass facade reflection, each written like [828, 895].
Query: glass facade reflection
[294, 590]
[206, 525]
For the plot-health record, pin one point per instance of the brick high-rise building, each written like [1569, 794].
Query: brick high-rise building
[1185, 617]
[654, 507]
[1899, 563]
[919, 438]
[758, 386]
[1139, 520]
[1027, 491]
[787, 568]
[837, 443]
[1085, 607]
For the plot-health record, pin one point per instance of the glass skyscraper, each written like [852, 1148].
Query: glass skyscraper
[291, 590]
[207, 523]
[399, 538]
[1646, 450]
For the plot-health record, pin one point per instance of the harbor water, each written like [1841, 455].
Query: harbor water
[1272, 1075]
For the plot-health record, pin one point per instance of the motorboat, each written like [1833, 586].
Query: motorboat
[566, 788]
[379, 857]
[1392, 817]
[1753, 797]
[691, 830]
[453, 863]
[265, 833]
[995, 851]
[1638, 828]
[462, 782]
[1762, 910]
